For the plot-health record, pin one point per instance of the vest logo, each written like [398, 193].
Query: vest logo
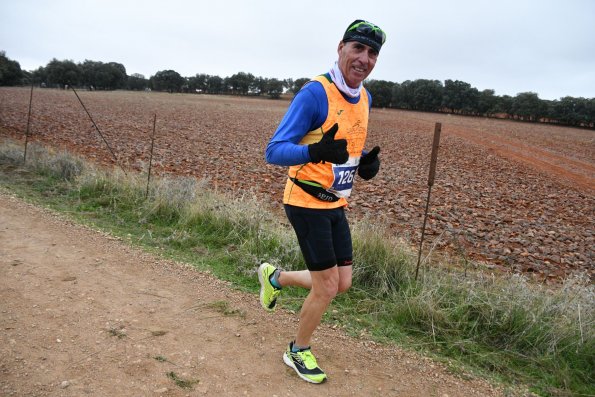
[339, 112]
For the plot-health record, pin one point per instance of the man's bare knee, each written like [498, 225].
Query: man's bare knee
[344, 285]
[328, 291]
[327, 288]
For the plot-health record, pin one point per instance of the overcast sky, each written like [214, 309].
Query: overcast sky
[511, 46]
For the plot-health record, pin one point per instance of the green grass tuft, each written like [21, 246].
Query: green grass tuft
[180, 382]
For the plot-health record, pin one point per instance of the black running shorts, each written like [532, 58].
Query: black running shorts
[323, 235]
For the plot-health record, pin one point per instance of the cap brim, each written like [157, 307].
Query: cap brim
[364, 40]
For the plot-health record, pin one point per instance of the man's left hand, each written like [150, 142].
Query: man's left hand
[369, 164]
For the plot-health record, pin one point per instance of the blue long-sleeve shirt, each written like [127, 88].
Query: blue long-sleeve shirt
[308, 111]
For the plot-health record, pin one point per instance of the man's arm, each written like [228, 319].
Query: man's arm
[306, 112]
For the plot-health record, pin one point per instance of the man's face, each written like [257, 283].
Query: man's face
[356, 61]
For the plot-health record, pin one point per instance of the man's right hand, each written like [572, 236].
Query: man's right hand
[329, 149]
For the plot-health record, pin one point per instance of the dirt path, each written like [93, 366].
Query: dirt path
[83, 313]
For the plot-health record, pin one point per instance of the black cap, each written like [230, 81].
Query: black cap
[366, 33]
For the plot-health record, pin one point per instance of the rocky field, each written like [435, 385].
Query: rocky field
[516, 196]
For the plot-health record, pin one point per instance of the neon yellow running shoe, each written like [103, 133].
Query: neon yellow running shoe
[268, 293]
[305, 365]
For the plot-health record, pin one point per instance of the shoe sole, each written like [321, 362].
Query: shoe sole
[290, 364]
[261, 281]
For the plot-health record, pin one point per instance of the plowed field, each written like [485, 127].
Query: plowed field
[518, 196]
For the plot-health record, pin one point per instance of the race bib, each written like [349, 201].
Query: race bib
[343, 177]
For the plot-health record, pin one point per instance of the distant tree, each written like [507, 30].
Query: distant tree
[298, 84]
[472, 101]
[381, 91]
[240, 83]
[103, 76]
[92, 74]
[528, 106]
[590, 111]
[402, 96]
[583, 111]
[573, 111]
[288, 84]
[40, 75]
[167, 80]
[426, 95]
[10, 71]
[215, 85]
[274, 88]
[118, 76]
[185, 86]
[503, 105]
[420, 94]
[486, 104]
[259, 85]
[564, 110]
[137, 82]
[62, 73]
[198, 83]
[460, 97]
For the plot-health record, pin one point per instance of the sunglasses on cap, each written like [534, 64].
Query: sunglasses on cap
[368, 29]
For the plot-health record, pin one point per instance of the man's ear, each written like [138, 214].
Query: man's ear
[340, 47]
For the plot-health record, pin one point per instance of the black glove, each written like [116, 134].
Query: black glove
[329, 149]
[369, 164]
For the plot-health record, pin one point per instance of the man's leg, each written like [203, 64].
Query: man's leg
[298, 278]
[345, 275]
[302, 278]
[325, 284]
[324, 287]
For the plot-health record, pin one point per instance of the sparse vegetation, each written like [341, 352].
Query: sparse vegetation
[224, 308]
[502, 326]
[180, 382]
[117, 332]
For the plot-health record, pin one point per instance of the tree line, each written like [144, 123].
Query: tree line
[455, 97]
[459, 97]
[97, 75]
